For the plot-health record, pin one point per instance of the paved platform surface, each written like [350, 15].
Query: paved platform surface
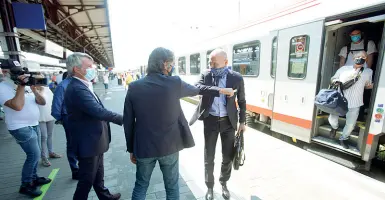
[273, 169]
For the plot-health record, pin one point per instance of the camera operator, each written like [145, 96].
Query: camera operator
[21, 110]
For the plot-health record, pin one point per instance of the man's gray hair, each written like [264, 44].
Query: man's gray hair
[219, 51]
[75, 60]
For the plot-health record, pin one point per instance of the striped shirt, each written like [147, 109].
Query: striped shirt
[355, 93]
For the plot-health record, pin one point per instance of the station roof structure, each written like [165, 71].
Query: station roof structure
[76, 25]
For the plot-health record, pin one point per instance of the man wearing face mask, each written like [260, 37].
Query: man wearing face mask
[22, 114]
[220, 116]
[358, 44]
[353, 94]
[88, 124]
[155, 126]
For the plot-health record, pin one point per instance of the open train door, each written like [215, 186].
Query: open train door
[298, 64]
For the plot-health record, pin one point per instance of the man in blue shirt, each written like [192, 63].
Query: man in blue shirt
[220, 116]
[59, 112]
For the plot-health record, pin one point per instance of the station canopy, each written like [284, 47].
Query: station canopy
[76, 25]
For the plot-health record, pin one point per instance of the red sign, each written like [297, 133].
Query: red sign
[378, 116]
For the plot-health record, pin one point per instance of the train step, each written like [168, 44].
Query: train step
[324, 131]
[337, 157]
[334, 144]
[341, 122]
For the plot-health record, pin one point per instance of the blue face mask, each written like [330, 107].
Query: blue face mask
[171, 71]
[91, 74]
[355, 38]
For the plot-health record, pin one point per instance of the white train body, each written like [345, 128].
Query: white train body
[308, 37]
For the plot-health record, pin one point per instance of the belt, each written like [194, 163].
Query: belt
[220, 118]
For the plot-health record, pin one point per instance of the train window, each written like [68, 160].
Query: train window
[208, 58]
[195, 64]
[299, 52]
[274, 50]
[246, 58]
[182, 65]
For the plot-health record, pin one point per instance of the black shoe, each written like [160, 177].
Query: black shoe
[115, 196]
[75, 175]
[41, 181]
[225, 192]
[333, 133]
[30, 190]
[210, 194]
[344, 144]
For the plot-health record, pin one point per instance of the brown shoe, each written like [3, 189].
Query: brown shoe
[333, 133]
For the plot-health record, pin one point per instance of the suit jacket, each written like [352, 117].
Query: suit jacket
[88, 120]
[154, 122]
[235, 81]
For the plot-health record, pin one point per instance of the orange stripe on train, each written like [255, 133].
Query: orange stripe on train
[281, 117]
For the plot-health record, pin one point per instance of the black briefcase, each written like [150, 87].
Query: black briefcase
[239, 151]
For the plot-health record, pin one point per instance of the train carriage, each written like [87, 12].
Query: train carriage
[287, 57]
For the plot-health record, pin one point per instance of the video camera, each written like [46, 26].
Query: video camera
[16, 70]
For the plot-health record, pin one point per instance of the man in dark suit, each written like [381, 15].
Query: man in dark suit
[89, 127]
[154, 123]
[220, 116]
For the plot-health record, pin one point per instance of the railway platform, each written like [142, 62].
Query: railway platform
[273, 169]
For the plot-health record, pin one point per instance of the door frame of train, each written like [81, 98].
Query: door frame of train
[285, 119]
[273, 34]
[375, 128]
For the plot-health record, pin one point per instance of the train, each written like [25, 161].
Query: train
[287, 57]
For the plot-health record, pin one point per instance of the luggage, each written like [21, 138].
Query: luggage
[239, 151]
[332, 101]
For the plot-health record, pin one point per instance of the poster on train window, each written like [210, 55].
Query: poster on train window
[297, 67]
[300, 46]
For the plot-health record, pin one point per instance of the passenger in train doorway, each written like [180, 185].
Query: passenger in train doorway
[156, 129]
[353, 94]
[220, 116]
[359, 43]
[21, 109]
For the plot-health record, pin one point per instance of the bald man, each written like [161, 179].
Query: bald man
[220, 116]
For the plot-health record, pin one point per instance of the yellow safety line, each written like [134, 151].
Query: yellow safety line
[45, 187]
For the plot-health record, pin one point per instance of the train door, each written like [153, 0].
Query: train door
[296, 75]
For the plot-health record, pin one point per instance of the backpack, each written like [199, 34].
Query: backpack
[349, 48]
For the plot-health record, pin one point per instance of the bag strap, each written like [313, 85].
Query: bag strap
[348, 47]
[348, 51]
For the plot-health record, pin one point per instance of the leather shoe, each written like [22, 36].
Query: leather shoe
[115, 196]
[41, 181]
[210, 194]
[225, 192]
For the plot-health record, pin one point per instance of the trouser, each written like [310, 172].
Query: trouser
[91, 174]
[213, 126]
[71, 156]
[169, 165]
[27, 138]
[46, 129]
[351, 119]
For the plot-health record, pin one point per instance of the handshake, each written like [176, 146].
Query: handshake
[227, 91]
